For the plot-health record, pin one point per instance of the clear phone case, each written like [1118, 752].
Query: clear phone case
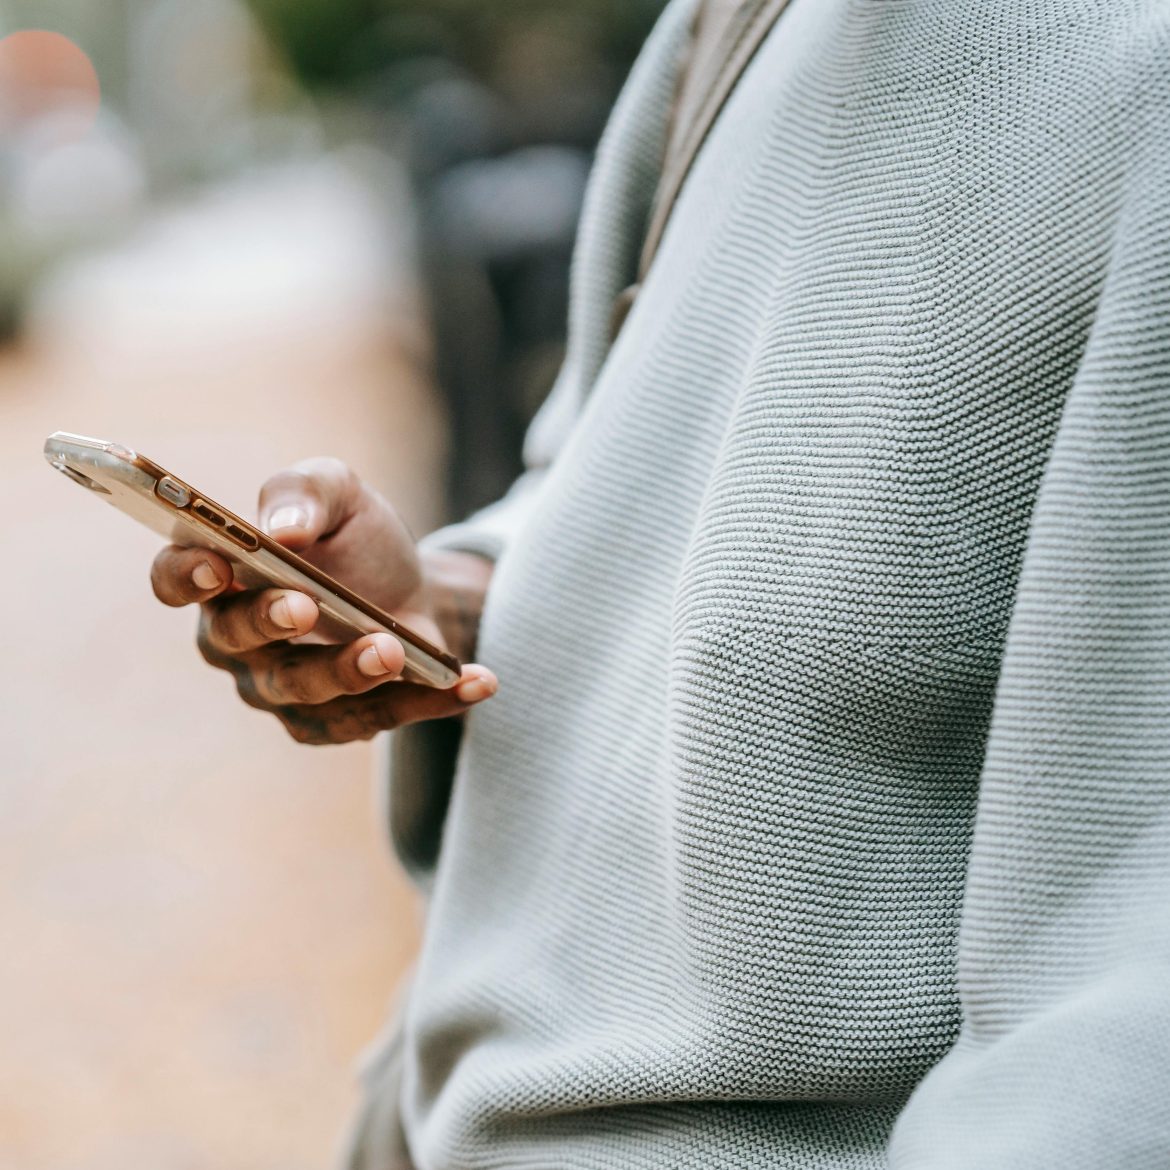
[183, 516]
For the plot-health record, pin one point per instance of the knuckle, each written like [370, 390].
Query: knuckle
[224, 641]
[321, 471]
[164, 580]
[247, 690]
[158, 583]
[307, 479]
[308, 731]
[255, 617]
[297, 731]
[205, 640]
[220, 625]
[293, 681]
[289, 721]
[287, 478]
[385, 716]
[346, 728]
[345, 676]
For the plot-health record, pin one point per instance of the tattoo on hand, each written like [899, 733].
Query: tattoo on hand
[458, 584]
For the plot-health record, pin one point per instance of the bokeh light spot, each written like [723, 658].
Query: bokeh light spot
[46, 75]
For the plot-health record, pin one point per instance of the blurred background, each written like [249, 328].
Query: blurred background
[233, 235]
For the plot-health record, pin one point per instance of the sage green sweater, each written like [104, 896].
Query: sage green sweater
[823, 816]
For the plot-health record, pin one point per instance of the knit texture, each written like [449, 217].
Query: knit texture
[823, 817]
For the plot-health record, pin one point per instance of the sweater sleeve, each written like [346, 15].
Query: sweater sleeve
[1063, 1058]
[421, 759]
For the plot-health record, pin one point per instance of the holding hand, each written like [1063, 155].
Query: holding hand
[334, 694]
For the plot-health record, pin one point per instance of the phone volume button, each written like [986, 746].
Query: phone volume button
[243, 538]
[208, 514]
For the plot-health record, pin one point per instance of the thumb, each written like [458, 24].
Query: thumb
[308, 502]
[406, 703]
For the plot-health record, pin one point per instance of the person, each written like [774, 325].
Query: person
[821, 817]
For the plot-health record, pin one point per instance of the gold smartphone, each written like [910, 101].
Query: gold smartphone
[187, 517]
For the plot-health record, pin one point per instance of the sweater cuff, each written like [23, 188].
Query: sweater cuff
[422, 757]
[489, 531]
[469, 537]
[420, 770]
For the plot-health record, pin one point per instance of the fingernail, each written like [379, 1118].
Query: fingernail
[475, 690]
[205, 577]
[289, 516]
[371, 662]
[281, 614]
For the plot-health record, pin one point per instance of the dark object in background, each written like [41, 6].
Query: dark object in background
[497, 236]
[503, 102]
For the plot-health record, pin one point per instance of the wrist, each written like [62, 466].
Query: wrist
[455, 585]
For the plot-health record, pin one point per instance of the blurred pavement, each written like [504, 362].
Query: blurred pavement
[202, 926]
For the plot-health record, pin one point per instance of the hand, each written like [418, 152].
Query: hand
[326, 694]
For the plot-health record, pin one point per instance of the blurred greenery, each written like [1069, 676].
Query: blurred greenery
[341, 42]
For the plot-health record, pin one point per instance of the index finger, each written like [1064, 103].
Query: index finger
[249, 621]
[182, 576]
[309, 501]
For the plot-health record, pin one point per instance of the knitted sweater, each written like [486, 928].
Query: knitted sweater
[823, 817]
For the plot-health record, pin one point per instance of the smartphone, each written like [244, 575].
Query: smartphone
[189, 518]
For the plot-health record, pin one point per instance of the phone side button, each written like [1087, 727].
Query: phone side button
[208, 514]
[241, 537]
[173, 492]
